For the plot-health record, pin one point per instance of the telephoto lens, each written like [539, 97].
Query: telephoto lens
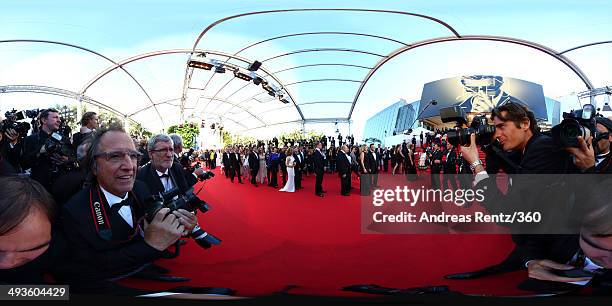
[204, 239]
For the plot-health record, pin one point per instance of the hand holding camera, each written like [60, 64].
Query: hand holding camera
[163, 231]
[584, 155]
[187, 219]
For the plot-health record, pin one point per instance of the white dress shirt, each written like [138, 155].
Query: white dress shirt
[125, 211]
[166, 181]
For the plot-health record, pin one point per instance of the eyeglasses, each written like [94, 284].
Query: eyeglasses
[119, 156]
[163, 150]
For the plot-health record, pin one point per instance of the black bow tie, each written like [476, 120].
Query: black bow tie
[164, 175]
[117, 206]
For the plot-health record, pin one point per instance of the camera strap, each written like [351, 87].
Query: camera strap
[100, 216]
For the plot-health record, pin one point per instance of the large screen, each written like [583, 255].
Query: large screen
[480, 94]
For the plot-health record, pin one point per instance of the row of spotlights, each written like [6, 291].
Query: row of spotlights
[200, 61]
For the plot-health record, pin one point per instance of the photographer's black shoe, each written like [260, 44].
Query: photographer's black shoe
[156, 269]
[160, 277]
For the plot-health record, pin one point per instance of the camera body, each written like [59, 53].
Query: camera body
[206, 175]
[12, 121]
[174, 200]
[575, 123]
[461, 136]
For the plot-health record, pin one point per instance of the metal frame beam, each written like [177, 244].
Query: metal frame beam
[61, 93]
[92, 52]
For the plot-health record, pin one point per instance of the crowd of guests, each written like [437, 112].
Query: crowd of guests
[83, 213]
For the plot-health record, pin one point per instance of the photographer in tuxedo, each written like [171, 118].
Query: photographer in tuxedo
[104, 222]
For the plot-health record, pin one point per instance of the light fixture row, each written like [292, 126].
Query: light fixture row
[200, 61]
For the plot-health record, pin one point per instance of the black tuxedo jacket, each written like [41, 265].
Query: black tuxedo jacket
[253, 161]
[226, 160]
[371, 163]
[343, 165]
[450, 164]
[533, 191]
[605, 166]
[436, 155]
[148, 175]
[235, 160]
[319, 162]
[94, 258]
[299, 162]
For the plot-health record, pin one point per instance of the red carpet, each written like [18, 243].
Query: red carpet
[274, 239]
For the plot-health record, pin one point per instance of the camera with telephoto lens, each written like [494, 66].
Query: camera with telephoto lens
[205, 175]
[174, 200]
[575, 123]
[461, 136]
[12, 118]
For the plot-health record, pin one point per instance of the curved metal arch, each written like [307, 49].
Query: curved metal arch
[60, 92]
[323, 80]
[217, 93]
[314, 120]
[322, 50]
[322, 10]
[92, 52]
[327, 102]
[233, 105]
[319, 33]
[322, 64]
[184, 51]
[585, 45]
[567, 62]
[158, 103]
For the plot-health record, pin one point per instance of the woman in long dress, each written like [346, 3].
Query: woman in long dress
[290, 163]
[262, 173]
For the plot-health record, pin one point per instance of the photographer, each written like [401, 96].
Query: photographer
[47, 153]
[10, 148]
[516, 131]
[104, 222]
[603, 160]
[28, 246]
[189, 173]
[89, 122]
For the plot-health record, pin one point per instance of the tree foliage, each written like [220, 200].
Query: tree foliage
[188, 131]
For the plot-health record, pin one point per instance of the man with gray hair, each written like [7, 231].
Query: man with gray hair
[190, 175]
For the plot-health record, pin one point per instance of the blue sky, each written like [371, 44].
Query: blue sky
[120, 29]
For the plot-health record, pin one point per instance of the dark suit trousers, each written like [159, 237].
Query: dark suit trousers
[345, 183]
[435, 179]
[298, 178]
[254, 176]
[450, 179]
[319, 183]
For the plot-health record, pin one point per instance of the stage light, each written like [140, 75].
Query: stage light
[270, 88]
[200, 61]
[243, 74]
[254, 66]
[257, 80]
[219, 69]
